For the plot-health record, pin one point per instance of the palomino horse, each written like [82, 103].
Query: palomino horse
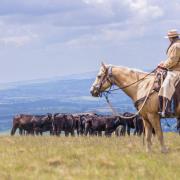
[125, 77]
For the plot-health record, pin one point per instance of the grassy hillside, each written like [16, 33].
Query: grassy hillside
[87, 158]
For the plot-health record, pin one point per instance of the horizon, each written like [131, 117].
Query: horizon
[65, 76]
[45, 78]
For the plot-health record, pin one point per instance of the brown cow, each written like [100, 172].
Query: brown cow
[94, 125]
[31, 124]
[24, 123]
[42, 123]
[80, 121]
[63, 122]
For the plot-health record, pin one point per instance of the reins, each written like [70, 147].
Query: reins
[124, 87]
[106, 93]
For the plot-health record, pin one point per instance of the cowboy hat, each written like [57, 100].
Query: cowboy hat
[172, 33]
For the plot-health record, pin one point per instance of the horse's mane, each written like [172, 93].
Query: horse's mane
[135, 70]
[138, 72]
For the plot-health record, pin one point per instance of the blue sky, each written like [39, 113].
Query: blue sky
[47, 38]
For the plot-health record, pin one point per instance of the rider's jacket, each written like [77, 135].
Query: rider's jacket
[173, 61]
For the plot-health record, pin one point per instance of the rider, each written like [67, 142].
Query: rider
[172, 64]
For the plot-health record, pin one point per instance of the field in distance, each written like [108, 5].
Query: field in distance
[87, 158]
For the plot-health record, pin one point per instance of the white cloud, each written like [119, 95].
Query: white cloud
[17, 41]
[145, 9]
[47, 29]
[106, 36]
[93, 20]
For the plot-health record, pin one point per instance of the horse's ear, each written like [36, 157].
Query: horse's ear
[103, 65]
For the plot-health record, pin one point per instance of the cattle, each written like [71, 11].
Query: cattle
[139, 127]
[24, 123]
[120, 130]
[30, 124]
[95, 124]
[79, 119]
[135, 123]
[83, 123]
[63, 122]
[42, 123]
[129, 122]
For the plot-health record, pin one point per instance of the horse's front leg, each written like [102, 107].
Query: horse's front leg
[148, 134]
[155, 120]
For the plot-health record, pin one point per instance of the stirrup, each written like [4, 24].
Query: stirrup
[166, 114]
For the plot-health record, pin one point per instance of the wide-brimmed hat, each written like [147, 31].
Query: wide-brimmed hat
[172, 33]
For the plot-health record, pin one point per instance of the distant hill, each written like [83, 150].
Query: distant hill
[86, 75]
[59, 94]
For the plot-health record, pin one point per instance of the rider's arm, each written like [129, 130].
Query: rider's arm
[173, 58]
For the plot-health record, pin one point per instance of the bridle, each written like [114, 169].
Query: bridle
[106, 77]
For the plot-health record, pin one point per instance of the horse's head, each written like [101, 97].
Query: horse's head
[102, 81]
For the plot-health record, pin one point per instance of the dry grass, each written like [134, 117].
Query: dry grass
[87, 158]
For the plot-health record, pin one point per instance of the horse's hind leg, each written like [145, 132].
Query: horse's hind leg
[148, 134]
[155, 120]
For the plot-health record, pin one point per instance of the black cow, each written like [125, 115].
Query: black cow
[135, 123]
[129, 122]
[94, 125]
[42, 123]
[139, 126]
[64, 122]
[79, 119]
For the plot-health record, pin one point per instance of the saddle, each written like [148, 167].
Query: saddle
[161, 74]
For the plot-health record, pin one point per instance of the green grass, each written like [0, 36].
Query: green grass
[87, 158]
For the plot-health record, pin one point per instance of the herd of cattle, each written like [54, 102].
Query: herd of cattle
[79, 123]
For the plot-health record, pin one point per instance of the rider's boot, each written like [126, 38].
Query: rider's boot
[161, 113]
[165, 107]
[168, 108]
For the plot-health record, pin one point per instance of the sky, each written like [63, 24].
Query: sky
[50, 38]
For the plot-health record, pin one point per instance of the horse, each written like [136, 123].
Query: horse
[137, 85]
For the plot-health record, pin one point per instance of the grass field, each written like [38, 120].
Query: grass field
[87, 158]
